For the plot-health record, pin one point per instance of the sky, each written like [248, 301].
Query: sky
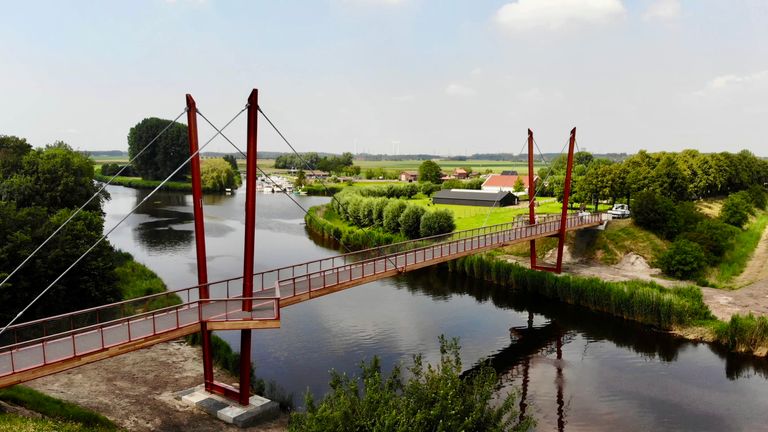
[394, 76]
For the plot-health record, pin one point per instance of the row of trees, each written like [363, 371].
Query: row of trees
[39, 190]
[681, 176]
[340, 165]
[392, 215]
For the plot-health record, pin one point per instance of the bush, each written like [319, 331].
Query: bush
[653, 212]
[410, 221]
[736, 210]
[683, 260]
[435, 398]
[758, 196]
[436, 222]
[217, 175]
[714, 236]
[392, 213]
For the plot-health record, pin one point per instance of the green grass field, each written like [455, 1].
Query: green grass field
[448, 165]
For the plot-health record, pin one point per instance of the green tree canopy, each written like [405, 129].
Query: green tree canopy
[217, 174]
[161, 158]
[53, 178]
[429, 171]
[12, 151]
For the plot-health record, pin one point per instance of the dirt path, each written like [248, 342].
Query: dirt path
[135, 390]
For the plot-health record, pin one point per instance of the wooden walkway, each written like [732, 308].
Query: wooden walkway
[42, 347]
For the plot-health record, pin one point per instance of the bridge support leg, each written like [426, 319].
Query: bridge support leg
[248, 253]
[202, 266]
[563, 215]
[531, 196]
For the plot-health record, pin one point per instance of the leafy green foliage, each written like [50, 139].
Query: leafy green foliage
[683, 260]
[332, 164]
[653, 212]
[12, 151]
[53, 178]
[217, 175]
[434, 398]
[429, 171]
[758, 196]
[736, 210]
[231, 161]
[167, 153]
[410, 221]
[436, 222]
[714, 236]
[392, 213]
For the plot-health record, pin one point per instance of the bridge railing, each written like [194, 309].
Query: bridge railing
[98, 337]
[267, 279]
[303, 284]
[40, 328]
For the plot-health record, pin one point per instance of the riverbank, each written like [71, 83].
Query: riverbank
[139, 183]
[677, 308]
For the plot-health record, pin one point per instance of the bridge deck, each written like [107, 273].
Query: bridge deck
[49, 345]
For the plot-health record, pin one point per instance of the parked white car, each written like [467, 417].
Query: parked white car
[619, 211]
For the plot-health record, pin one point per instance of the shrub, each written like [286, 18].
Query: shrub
[683, 260]
[736, 210]
[436, 222]
[758, 196]
[410, 221]
[428, 188]
[714, 236]
[435, 398]
[392, 213]
[653, 211]
[379, 204]
[216, 175]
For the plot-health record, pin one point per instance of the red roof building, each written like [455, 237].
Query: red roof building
[500, 182]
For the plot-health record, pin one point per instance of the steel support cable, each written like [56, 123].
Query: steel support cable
[333, 197]
[72, 216]
[283, 190]
[497, 200]
[549, 172]
[93, 246]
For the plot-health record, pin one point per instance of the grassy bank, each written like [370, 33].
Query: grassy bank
[645, 302]
[139, 183]
[735, 259]
[59, 415]
[137, 280]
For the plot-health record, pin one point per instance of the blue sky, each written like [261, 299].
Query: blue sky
[446, 77]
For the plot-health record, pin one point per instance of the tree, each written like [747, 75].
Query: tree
[683, 260]
[231, 161]
[436, 222]
[301, 179]
[735, 210]
[53, 178]
[217, 175]
[167, 153]
[410, 221]
[12, 151]
[429, 171]
[519, 185]
[435, 398]
[653, 211]
[392, 213]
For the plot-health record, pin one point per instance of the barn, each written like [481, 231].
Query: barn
[470, 197]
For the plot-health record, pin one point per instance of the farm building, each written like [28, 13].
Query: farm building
[471, 197]
[409, 176]
[502, 182]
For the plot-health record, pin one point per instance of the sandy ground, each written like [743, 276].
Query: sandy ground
[135, 390]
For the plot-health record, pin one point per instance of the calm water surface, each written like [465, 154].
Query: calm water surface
[576, 370]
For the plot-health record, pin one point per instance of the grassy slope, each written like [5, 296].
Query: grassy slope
[61, 415]
[735, 260]
[623, 236]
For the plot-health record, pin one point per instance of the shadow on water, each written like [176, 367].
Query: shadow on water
[167, 211]
[563, 320]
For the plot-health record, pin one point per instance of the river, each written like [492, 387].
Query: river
[576, 370]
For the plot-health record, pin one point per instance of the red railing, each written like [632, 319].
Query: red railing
[303, 284]
[49, 349]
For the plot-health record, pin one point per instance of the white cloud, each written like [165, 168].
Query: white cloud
[454, 89]
[558, 14]
[663, 10]
[403, 98]
[722, 83]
